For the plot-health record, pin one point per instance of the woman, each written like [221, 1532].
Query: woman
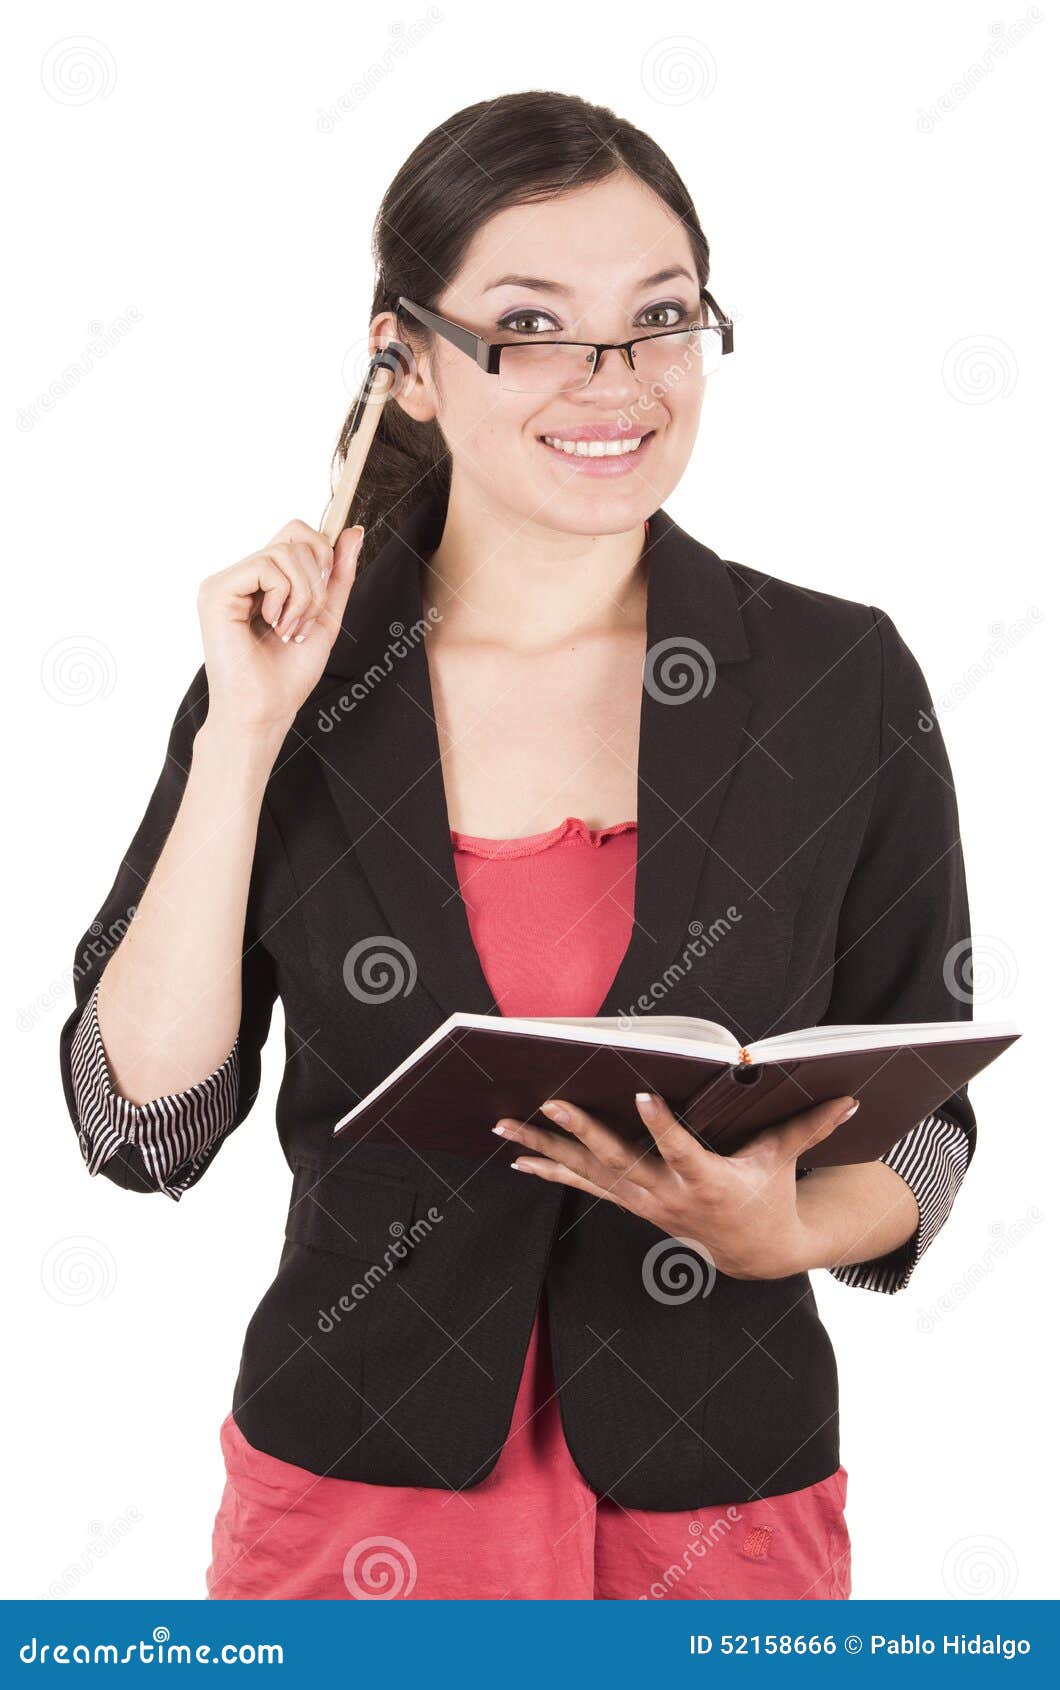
[551, 755]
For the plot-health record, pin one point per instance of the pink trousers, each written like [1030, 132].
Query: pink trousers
[532, 1530]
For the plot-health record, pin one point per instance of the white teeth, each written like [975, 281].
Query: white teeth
[594, 448]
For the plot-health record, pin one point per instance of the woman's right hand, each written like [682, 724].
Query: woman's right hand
[269, 623]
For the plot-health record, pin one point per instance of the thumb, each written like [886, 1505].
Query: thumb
[800, 1132]
[343, 573]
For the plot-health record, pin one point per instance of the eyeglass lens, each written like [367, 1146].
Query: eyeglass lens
[548, 367]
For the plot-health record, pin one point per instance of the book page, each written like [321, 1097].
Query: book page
[663, 1026]
[842, 1036]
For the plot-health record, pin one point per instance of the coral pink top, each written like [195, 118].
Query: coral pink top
[550, 915]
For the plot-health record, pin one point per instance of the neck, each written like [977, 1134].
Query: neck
[496, 578]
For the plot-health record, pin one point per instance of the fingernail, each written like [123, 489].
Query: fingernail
[518, 1166]
[646, 1099]
[848, 1112]
[556, 1112]
[500, 1128]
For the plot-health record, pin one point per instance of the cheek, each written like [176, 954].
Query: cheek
[684, 406]
[686, 403]
[486, 432]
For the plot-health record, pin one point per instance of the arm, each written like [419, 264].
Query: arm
[170, 999]
[174, 984]
[903, 933]
[161, 1134]
[876, 1220]
[175, 1135]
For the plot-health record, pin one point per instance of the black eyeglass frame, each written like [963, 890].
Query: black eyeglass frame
[487, 353]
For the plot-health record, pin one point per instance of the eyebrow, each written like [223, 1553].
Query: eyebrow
[540, 284]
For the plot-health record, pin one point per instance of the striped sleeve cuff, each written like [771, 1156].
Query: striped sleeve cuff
[932, 1159]
[174, 1134]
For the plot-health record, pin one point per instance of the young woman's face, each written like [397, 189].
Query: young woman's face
[605, 263]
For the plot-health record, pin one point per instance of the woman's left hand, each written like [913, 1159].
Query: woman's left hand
[740, 1211]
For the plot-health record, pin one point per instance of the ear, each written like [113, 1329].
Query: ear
[416, 394]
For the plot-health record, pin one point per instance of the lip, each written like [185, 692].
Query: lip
[604, 466]
[593, 431]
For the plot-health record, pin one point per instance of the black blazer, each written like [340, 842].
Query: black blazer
[799, 862]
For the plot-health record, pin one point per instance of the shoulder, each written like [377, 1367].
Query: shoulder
[769, 604]
[817, 632]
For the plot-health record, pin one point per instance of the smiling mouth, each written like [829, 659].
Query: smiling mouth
[596, 448]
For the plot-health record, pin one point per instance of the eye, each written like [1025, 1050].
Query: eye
[515, 321]
[681, 314]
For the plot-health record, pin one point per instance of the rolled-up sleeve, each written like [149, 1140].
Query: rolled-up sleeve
[167, 1143]
[175, 1135]
[903, 943]
[933, 1160]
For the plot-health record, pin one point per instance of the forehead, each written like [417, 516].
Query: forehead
[597, 241]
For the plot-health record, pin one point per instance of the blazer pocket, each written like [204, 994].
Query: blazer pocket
[366, 1216]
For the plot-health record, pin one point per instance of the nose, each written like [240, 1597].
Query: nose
[614, 372]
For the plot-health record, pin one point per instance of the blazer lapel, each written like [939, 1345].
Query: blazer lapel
[371, 722]
[692, 716]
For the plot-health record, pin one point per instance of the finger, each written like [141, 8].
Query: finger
[556, 1146]
[347, 558]
[556, 1174]
[679, 1148]
[308, 588]
[304, 534]
[798, 1133]
[569, 1153]
[607, 1150]
[256, 574]
[349, 543]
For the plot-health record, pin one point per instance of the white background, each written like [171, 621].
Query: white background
[882, 432]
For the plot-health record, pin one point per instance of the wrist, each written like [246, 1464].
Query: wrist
[237, 747]
[822, 1223]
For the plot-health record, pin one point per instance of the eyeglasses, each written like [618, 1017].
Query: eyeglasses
[559, 366]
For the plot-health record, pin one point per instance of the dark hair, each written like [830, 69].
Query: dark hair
[497, 153]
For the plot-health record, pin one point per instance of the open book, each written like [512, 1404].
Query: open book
[473, 1069]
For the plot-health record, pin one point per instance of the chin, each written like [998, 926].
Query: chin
[600, 507]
